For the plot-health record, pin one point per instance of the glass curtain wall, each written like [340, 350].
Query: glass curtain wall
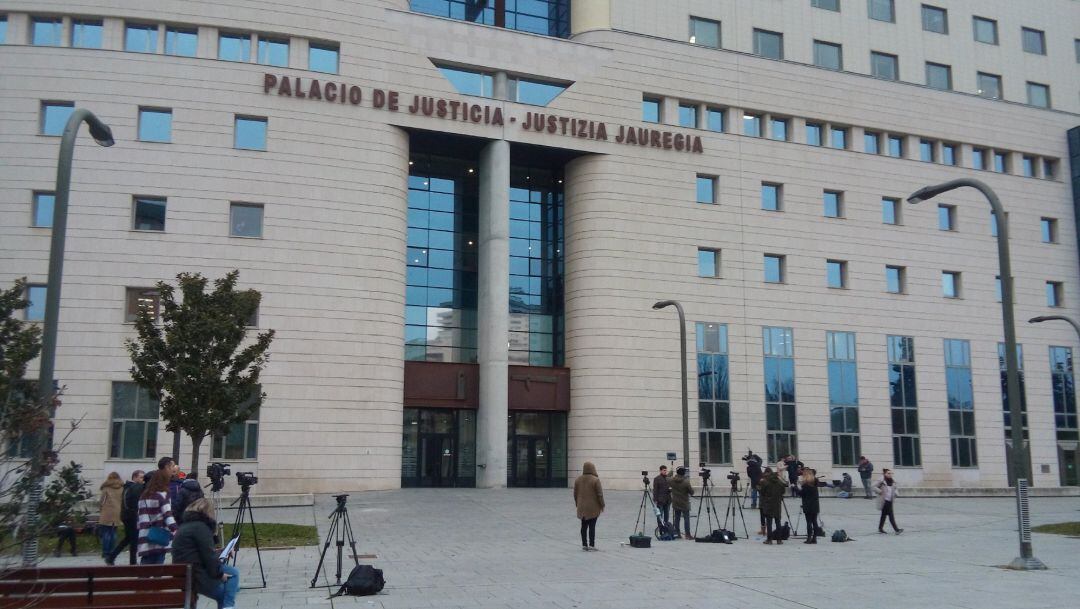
[779, 351]
[904, 401]
[1005, 390]
[961, 403]
[544, 17]
[843, 397]
[714, 407]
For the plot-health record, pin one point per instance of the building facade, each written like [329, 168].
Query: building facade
[460, 213]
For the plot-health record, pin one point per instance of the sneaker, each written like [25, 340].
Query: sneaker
[898, 531]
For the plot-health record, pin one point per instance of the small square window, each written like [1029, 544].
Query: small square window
[705, 32]
[894, 279]
[950, 284]
[86, 34]
[768, 44]
[988, 85]
[871, 142]
[650, 110]
[834, 204]
[155, 125]
[44, 204]
[273, 51]
[36, 294]
[838, 137]
[706, 189]
[234, 47]
[1049, 230]
[948, 154]
[884, 65]
[1054, 293]
[323, 58]
[926, 151]
[708, 262]
[180, 41]
[946, 217]
[882, 10]
[1049, 168]
[836, 273]
[1028, 163]
[1034, 41]
[245, 220]
[935, 19]
[1001, 162]
[250, 133]
[752, 125]
[148, 213]
[890, 210]
[778, 129]
[46, 31]
[774, 268]
[688, 115]
[985, 30]
[829, 5]
[714, 119]
[978, 158]
[828, 55]
[139, 299]
[54, 117]
[140, 37]
[770, 197]
[939, 76]
[813, 134]
[1038, 94]
[896, 146]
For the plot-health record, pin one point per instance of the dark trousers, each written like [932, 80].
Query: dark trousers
[685, 516]
[66, 533]
[887, 510]
[665, 511]
[131, 540]
[588, 525]
[811, 525]
[771, 522]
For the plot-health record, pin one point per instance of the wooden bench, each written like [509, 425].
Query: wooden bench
[99, 587]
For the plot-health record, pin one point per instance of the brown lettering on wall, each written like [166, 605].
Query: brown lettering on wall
[378, 98]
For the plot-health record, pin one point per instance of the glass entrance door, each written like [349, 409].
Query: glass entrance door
[531, 460]
[436, 459]
[1069, 460]
[438, 447]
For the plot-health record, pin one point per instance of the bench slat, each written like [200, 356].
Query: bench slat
[80, 585]
[98, 572]
[149, 600]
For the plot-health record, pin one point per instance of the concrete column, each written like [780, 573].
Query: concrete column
[493, 311]
[501, 90]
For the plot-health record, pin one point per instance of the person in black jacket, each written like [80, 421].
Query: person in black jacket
[811, 507]
[129, 516]
[753, 473]
[194, 545]
[661, 489]
[188, 493]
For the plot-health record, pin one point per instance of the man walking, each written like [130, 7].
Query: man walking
[661, 488]
[753, 474]
[866, 470]
[129, 515]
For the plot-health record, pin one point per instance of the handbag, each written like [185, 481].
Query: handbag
[159, 536]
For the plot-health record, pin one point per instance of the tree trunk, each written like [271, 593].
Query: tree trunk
[176, 447]
[195, 444]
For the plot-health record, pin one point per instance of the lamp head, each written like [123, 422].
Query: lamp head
[1039, 319]
[100, 132]
[663, 304]
[929, 192]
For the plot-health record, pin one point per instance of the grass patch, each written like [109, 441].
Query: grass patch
[1061, 528]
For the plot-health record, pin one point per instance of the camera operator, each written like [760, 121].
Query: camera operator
[794, 470]
[772, 496]
[681, 491]
[661, 488]
[811, 507]
[753, 473]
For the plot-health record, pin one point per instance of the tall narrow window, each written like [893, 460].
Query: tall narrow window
[894, 279]
[828, 55]
[926, 151]
[872, 142]
[1049, 168]
[769, 44]
[884, 65]
[993, 224]
[708, 262]
[939, 76]
[1028, 164]
[890, 210]
[650, 110]
[181, 41]
[1048, 227]
[770, 196]
[843, 397]
[86, 34]
[813, 133]
[1054, 293]
[35, 294]
[133, 424]
[946, 217]
[948, 154]
[1063, 386]
[140, 37]
[950, 284]
[779, 351]
[705, 32]
[688, 115]
[1006, 414]
[1001, 162]
[3, 29]
[714, 119]
[935, 19]
[706, 189]
[882, 10]
[896, 146]
[836, 273]
[714, 409]
[978, 158]
[42, 213]
[904, 401]
[961, 403]
[323, 57]
[273, 51]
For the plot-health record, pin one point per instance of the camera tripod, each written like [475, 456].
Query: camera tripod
[340, 530]
[809, 524]
[245, 508]
[795, 526]
[734, 503]
[710, 507]
[642, 515]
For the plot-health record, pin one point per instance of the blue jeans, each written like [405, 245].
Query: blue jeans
[753, 496]
[153, 559]
[683, 515]
[108, 539]
[225, 595]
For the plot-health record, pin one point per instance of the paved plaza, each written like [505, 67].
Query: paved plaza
[519, 548]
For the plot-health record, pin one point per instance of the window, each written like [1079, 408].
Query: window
[688, 115]
[240, 440]
[871, 142]
[535, 92]
[46, 31]
[3, 29]
[86, 34]
[768, 44]
[1000, 162]
[714, 119]
[997, 288]
[708, 262]
[1064, 389]
[890, 210]
[180, 41]
[829, 5]
[245, 220]
[139, 299]
[1034, 41]
[988, 85]
[250, 133]
[774, 268]
[903, 399]
[881, 10]
[843, 397]
[828, 55]
[705, 32]
[706, 189]
[752, 125]
[894, 279]
[714, 410]
[1028, 164]
[813, 134]
[939, 76]
[1054, 293]
[896, 146]
[234, 47]
[961, 402]
[778, 129]
[134, 422]
[836, 273]
[779, 364]
[985, 30]
[838, 137]
[155, 125]
[54, 117]
[948, 154]
[42, 213]
[1006, 415]
[935, 19]
[148, 213]
[834, 204]
[1049, 168]
[884, 65]
[140, 37]
[650, 110]
[273, 51]
[770, 196]
[978, 158]
[950, 284]
[946, 215]
[1038, 95]
[1049, 230]
[993, 224]
[323, 58]
[36, 294]
[926, 151]
[1076, 45]
[469, 82]
[543, 17]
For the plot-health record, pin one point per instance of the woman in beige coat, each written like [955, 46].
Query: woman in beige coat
[589, 499]
[112, 491]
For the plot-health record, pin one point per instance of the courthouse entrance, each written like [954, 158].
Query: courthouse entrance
[438, 447]
[537, 449]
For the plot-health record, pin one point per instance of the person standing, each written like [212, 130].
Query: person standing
[866, 470]
[194, 545]
[681, 491]
[753, 474]
[661, 489]
[112, 498]
[188, 493]
[887, 492]
[589, 499]
[129, 515]
[772, 490]
[811, 507]
[155, 512]
[794, 470]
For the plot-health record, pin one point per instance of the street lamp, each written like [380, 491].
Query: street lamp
[1026, 560]
[1042, 318]
[103, 136]
[663, 304]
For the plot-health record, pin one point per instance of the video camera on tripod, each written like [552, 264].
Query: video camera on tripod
[216, 472]
[246, 479]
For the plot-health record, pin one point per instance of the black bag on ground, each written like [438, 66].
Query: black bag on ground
[364, 580]
[781, 533]
[840, 536]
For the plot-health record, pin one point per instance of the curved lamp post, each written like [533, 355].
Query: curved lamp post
[1042, 318]
[682, 361]
[103, 136]
[1026, 560]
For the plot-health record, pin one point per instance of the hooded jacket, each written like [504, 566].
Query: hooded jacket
[112, 499]
[681, 491]
[189, 492]
[772, 490]
[588, 494]
[194, 544]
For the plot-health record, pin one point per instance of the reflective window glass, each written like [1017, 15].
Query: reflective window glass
[86, 34]
[706, 189]
[894, 276]
[1029, 166]
[778, 129]
[890, 210]
[705, 32]
[181, 41]
[650, 110]
[469, 82]
[935, 19]
[1034, 41]
[534, 92]
[946, 217]
[46, 31]
[714, 119]
[769, 44]
[54, 117]
[950, 284]
[985, 30]
[708, 262]
[42, 213]
[234, 47]
[813, 134]
[978, 158]
[838, 137]
[871, 142]
[140, 37]
[1000, 162]
[155, 125]
[245, 220]
[273, 51]
[3, 29]
[688, 115]
[148, 214]
[36, 294]
[834, 273]
[770, 197]
[926, 151]
[774, 268]
[1038, 95]
[939, 76]
[896, 146]
[829, 5]
[988, 85]
[250, 133]
[1048, 227]
[881, 10]
[833, 204]
[884, 65]
[323, 58]
[948, 154]
[828, 55]
[752, 125]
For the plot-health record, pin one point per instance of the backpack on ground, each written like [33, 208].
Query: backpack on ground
[782, 532]
[364, 580]
[840, 536]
